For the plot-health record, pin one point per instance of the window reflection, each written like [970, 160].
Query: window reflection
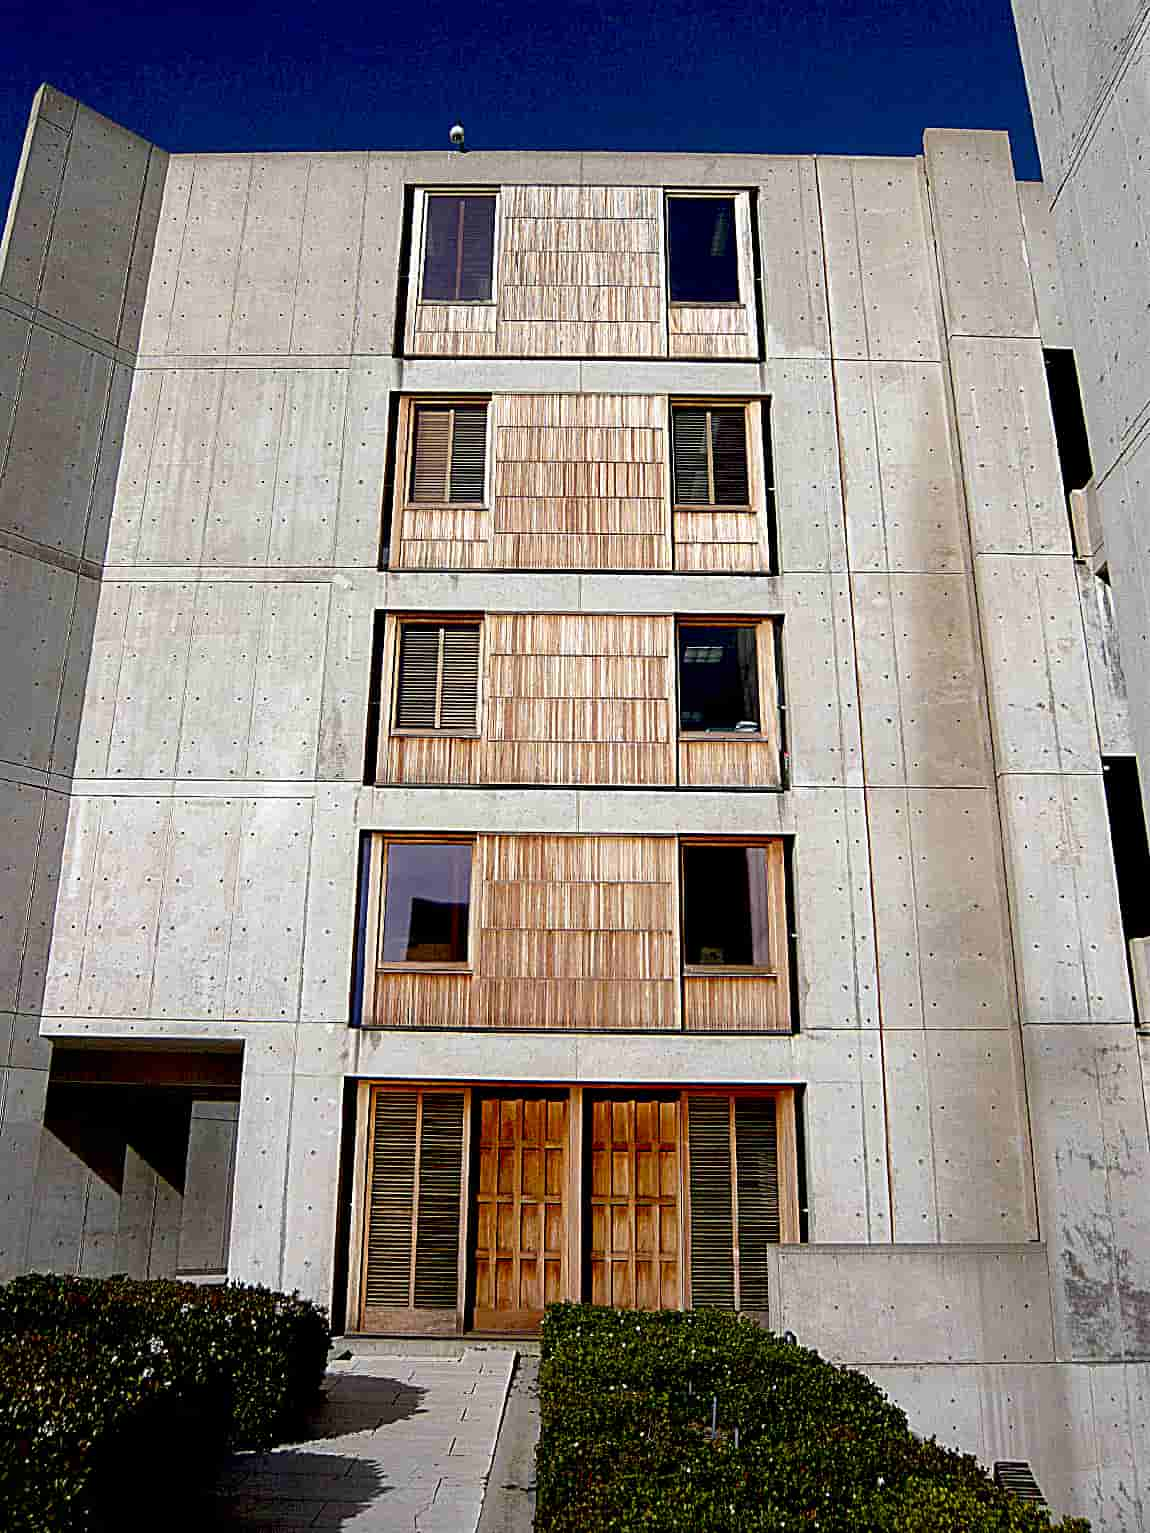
[426, 902]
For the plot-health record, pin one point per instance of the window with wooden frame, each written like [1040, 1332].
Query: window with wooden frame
[703, 249]
[424, 902]
[447, 453]
[458, 247]
[436, 688]
[726, 678]
[710, 458]
[734, 907]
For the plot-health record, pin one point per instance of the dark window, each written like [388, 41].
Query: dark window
[1069, 419]
[704, 257]
[719, 678]
[709, 448]
[1128, 838]
[726, 907]
[426, 901]
[448, 455]
[459, 249]
[437, 678]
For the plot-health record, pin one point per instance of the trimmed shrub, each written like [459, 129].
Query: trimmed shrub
[626, 1444]
[88, 1430]
[261, 1351]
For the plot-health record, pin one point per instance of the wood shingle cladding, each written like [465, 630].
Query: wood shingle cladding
[477, 1206]
[578, 271]
[571, 933]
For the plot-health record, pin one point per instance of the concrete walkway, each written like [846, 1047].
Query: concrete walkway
[401, 1445]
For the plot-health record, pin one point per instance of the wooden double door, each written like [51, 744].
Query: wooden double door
[482, 1207]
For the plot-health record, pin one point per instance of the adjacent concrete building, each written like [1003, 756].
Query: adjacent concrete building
[552, 748]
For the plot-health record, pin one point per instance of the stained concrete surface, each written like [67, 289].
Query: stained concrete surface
[401, 1444]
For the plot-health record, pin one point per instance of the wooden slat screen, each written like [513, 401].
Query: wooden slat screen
[437, 683]
[459, 249]
[757, 1182]
[413, 1207]
[448, 455]
[709, 451]
[634, 1212]
[712, 1226]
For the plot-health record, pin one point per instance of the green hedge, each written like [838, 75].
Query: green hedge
[115, 1390]
[626, 1403]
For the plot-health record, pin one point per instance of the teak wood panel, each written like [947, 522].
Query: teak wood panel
[563, 699]
[740, 760]
[521, 1209]
[635, 1235]
[749, 1001]
[728, 330]
[728, 540]
[577, 481]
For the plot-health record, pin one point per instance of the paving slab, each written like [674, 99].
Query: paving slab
[400, 1445]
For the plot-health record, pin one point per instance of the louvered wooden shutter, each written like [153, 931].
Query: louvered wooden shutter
[438, 677]
[459, 249]
[712, 1232]
[709, 449]
[449, 455]
[757, 1181]
[415, 1182]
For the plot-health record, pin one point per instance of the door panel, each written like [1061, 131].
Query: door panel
[634, 1201]
[520, 1210]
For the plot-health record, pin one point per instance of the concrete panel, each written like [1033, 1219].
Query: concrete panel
[172, 529]
[209, 256]
[206, 1216]
[1038, 678]
[102, 681]
[244, 468]
[194, 924]
[1042, 254]
[824, 745]
[36, 602]
[259, 1189]
[1103, 651]
[361, 474]
[943, 944]
[1068, 932]
[374, 333]
[143, 250]
[47, 484]
[120, 931]
[324, 315]
[268, 918]
[834, 922]
[269, 254]
[310, 1210]
[808, 492]
[215, 730]
[915, 1304]
[902, 484]
[149, 1216]
[63, 1182]
[939, 1401]
[21, 813]
[131, 485]
[14, 337]
[41, 913]
[90, 249]
[982, 250]
[1092, 1158]
[834, 1124]
[70, 922]
[22, 1095]
[1084, 280]
[793, 266]
[331, 909]
[108, 465]
[920, 684]
[307, 478]
[880, 264]
[1014, 487]
[346, 682]
[289, 668]
[153, 675]
[33, 203]
[163, 284]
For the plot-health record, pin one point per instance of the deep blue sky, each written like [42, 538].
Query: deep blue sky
[832, 76]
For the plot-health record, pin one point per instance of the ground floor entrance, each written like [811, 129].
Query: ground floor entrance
[476, 1206]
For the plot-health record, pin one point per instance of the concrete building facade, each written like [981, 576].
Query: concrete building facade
[393, 910]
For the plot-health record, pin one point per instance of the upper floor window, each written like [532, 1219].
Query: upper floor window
[709, 450]
[426, 902]
[448, 455]
[732, 906]
[437, 677]
[458, 248]
[719, 678]
[703, 250]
